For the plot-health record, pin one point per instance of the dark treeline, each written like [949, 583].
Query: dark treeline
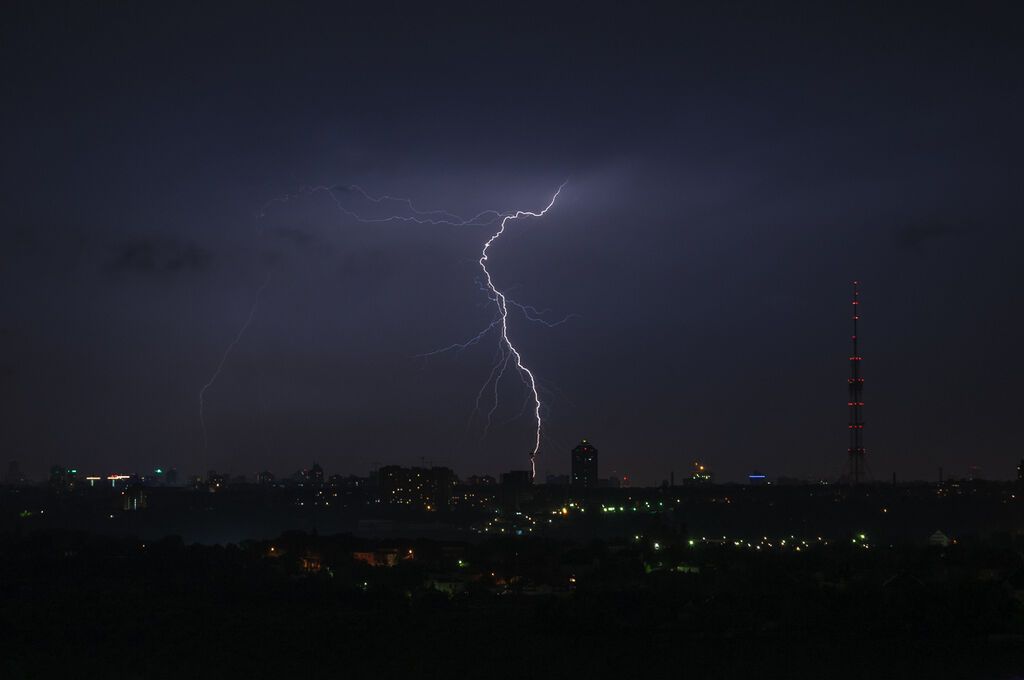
[328, 606]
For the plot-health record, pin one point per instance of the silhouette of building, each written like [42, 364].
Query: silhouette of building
[62, 479]
[347, 482]
[520, 479]
[163, 477]
[134, 497]
[314, 475]
[442, 481]
[584, 466]
[215, 482]
[430, 488]
[516, 489]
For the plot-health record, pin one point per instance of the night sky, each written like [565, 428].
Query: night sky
[730, 171]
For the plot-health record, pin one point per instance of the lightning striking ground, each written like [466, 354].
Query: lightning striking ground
[507, 353]
[502, 303]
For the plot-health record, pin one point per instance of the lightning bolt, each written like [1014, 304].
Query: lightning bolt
[502, 302]
[507, 353]
[224, 358]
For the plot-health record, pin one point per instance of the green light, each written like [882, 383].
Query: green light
[159, 471]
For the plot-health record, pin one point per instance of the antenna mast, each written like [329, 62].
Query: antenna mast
[856, 402]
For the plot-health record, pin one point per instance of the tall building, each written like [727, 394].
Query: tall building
[442, 481]
[856, 452]
[584, 466]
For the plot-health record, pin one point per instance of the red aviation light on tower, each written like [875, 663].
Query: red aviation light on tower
[855, 402]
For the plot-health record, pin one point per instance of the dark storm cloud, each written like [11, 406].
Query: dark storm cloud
[157, 256]
[6, 368]
[294, 235]
[918, 235]
[732, 167]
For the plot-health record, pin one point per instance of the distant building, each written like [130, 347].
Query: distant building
[311, 562]
[584, 466]
[557, 480]
[481, 480]
[383, 557]
[314, 475]
[1020, 471]
[442, 481]
[520, 479]
[62, 479]
[134, 497]
[429, 488]
[347, 482]
[265, 478]
[516, 489]
[701, 475]
[215, 482]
